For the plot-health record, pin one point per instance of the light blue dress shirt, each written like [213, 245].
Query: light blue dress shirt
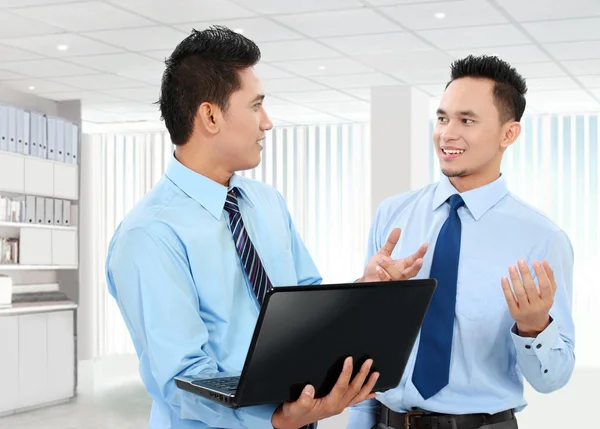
[489, 361]
[176, 276]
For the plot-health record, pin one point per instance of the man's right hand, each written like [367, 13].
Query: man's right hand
[307, 409]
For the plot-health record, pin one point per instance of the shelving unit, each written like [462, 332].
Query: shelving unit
[39, 160]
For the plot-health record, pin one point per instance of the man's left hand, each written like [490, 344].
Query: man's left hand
[382, 267]
[530, 305]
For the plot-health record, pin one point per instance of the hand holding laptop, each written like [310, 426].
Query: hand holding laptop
[382, 267]
[345, 393]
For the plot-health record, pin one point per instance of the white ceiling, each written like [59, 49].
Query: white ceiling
[320, 57]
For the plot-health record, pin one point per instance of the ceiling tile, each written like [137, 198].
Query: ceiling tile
[21, 3]
[396, 2]
[116, 63]
[520, 54]
[160, 55]
[179, 11]
[48, 45]
[45, 68]
[474, 37]
[273, 86]
[83, 16]
[583, 67]
[141, 39]
[6, 75]
[295, 50]
[534, 70]
[575, 50]
[376, 43]
[339, 23]
[267, 71]
[551, 83]
[149, 94]
[591, 81]
[331, 66]
[12, 25]
[362, 93]
[315, 96]
[424, 76]
[412, 62]
[564, 31]
[100, 116]
[123, 106]
[256, 29]
[280, 7]
[84, 96]
[357, 80]
[462, 13]
[8, 53]
[541, 10]
[99, 82]
[340, 107]
[596, 92]
[151, 75]
[433, 90]
[40, 86]
[562, 101]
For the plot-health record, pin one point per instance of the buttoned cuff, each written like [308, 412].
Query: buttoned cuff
[258, 416]
[539, 346]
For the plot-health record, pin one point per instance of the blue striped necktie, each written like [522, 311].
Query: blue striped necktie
[249, 257]
[432, 367]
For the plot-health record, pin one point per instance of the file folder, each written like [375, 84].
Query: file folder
[34, 136]
[60, 140]
[4, 128]
[52, 147]
[12, 129]
[44, 139]
[49, 212]
[20, 130]
[75, 144]
[68, 145]
[66, 213]
[30, 214]
[40, 207]
[58, 212]
[26, 131]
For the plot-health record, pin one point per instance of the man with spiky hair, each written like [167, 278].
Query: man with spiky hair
[190, 265]
[502, 309]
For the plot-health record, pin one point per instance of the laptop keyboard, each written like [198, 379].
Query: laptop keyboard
[225, 384]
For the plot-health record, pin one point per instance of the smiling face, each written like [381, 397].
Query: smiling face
[469, 135]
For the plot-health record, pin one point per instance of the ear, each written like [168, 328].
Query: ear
[209, 117]
[510, 133]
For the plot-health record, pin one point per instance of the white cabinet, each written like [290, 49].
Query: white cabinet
[66, 181]
[12, 172]
[9, 361]
[64, 247]
[35, 247]
[32, 359]
[39, 177]
[60, 383]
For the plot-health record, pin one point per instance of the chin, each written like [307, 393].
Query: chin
[454, 173]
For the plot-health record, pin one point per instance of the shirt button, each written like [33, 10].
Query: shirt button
[538, 346]
[545, 371]
[527, 346]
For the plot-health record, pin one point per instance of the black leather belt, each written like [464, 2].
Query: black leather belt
[418, 420]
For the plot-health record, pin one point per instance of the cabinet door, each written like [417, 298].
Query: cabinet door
[39, 177]
[9, 363]
[66, 182]
[32, 360]
[61, 355]
[12, 173]
[64, 248]
[35, 246]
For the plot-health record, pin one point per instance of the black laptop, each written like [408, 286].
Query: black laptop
[304, 333]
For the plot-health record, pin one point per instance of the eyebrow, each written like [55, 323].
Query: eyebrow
[259, 97]
[469, 113]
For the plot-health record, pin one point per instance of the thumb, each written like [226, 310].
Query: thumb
[306, 399]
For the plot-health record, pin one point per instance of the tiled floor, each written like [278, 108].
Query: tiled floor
[124, 406]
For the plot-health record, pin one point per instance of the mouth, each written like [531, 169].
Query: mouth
[450, 153]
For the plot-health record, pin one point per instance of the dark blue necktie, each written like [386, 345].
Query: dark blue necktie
[432, 368]
[250, 261]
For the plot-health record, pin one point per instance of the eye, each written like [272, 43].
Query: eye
[468, 121]
[442, 119]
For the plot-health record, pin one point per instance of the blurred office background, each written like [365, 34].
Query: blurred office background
[352, 87]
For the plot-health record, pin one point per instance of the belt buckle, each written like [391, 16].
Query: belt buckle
[409, 415]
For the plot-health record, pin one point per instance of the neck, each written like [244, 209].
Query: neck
[472, 181]
[202, 163]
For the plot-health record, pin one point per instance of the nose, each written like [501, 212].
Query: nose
[265, 123]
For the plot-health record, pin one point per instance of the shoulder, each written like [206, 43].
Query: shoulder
[394, 206]
[526, 214]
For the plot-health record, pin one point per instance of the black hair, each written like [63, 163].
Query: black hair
[203, 68]
[509, 89]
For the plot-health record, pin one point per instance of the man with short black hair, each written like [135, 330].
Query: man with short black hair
[483, 332]
[191, 263]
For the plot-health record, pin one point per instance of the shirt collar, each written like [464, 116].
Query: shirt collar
[208, 193]
[478, 200]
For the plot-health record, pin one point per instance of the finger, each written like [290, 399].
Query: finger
[341, 385]
[382, 274]
[533, 294]
[305, 402]
[366, 392]
[360, 378]
[391, 242]
[413, 270]
[419, 254]
[550, 274]
[513, 305]
[546, 292]
[518, 287]
[391, 269]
